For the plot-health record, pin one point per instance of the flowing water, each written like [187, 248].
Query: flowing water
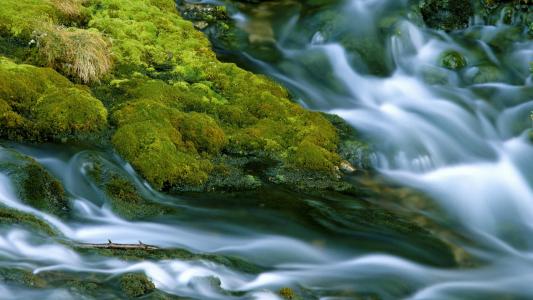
[460, 137]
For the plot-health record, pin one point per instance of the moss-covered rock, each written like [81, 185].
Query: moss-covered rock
[10, 217]
[40, 104]
[136, 285]
[172, 130]
[176, 111]
[123, 196]
[35, 186]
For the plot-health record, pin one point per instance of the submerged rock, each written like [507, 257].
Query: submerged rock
[35, 185]
[453, 60]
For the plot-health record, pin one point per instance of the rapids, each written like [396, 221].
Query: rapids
[460, 137]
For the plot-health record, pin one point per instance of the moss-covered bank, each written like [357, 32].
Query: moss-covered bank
[177, 114]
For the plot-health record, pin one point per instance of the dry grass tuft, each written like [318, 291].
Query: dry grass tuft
[72, 9]
[78, 53]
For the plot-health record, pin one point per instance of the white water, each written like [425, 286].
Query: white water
[456, 142]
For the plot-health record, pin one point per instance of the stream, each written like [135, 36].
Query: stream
[460, 137]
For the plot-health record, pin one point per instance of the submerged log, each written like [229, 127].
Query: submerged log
[111, 245]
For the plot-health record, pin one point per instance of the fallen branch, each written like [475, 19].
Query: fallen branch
[111, 245]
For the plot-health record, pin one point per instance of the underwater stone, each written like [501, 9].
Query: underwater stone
[453, 60]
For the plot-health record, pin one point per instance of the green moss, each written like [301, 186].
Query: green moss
[154, 149]
[10, 217]
[39, 104]
[20, 18]
[42, 191]
[21, 277]
[34, 184]
[453, 60]
[136, 285]
[127, 202]
[446, 14]
[149, 33]
[202, 131]
[176, 108]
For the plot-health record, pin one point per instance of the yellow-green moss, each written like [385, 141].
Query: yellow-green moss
[171, 130]
[39, 103]
[202, 131]
[175, 107]
[154, 150]
[147, 33]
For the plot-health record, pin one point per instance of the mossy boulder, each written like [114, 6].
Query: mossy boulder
[40, 104]
[176, 111]
[122, 195]
[173, 128]
[136, 285]
[447, 15]
[34, 184]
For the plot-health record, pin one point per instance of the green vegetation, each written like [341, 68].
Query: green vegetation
[11, 217]
[453, 60]
[39, 104]
[34, 184]
[171, 130]
[177, 114]
[136, 285]
[446, 15]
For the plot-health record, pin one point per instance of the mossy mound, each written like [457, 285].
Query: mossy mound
[124, 197]
[177, 112]
[172, 130]
[40, 104]
[35, 186]
[136, 285]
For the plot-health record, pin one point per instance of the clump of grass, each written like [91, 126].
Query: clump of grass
[81, 54]
[70, 8]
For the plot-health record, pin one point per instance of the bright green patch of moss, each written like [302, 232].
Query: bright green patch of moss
[176, 108]
[172, 130]
[38, 103]
[150, 33]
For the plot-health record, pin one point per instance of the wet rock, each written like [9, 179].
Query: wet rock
[453, 60]
[123, 195]
[34, 184]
